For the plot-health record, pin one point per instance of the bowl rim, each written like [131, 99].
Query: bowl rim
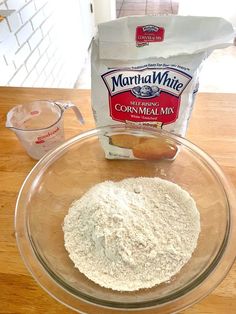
[221, 264]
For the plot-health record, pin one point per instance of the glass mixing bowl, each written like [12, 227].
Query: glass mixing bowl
[70, 170]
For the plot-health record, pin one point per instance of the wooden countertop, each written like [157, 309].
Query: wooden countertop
[212, 127]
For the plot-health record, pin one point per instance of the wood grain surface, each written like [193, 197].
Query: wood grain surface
[212, 127]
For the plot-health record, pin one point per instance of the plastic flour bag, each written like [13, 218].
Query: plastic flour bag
[145, 71]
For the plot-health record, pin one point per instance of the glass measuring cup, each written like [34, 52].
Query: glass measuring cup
[39, 125]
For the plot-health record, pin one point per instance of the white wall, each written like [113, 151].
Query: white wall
[104, 10]
[44, 43]
[225, 8]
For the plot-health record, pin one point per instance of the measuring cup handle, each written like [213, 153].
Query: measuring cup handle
[67, 105]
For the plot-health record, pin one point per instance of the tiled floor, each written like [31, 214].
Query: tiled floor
[142, 7]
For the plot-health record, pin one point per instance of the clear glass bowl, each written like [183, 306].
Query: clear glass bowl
[70, 170]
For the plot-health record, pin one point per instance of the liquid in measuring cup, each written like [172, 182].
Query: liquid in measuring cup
[39, 125]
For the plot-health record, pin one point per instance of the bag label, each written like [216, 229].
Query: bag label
[145, 95]
[149, 34]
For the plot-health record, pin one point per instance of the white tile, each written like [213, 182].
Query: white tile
[58, 82]
[46, 26]
[84, 79]
[44, 45]
[58, 79]
[14, 21]
[24, 33]
[57, 68]
[32, 60]
[30, 79]
[15, 4]
[35, 39]
[7, 71]
[40, 80]
[27, 12]
[37, 19]
[50, 7]
[9, 59]
[57, 38]
[9, 48]
[3, 62]
[4, 30]
[66, 78]
[21, 55]
[19, 77]
[49, 81]
[3, 6]
[41, 63]
[49, 68]
[40, 3]
[9, 45]
[51, 50]
[61, 82]
[53, 83]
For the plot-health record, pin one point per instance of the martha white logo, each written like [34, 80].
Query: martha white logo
[154, 81]
[150, 28]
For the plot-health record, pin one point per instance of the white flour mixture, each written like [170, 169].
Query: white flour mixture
[132, 234]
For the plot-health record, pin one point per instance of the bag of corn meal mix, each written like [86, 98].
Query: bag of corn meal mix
[145, 71]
